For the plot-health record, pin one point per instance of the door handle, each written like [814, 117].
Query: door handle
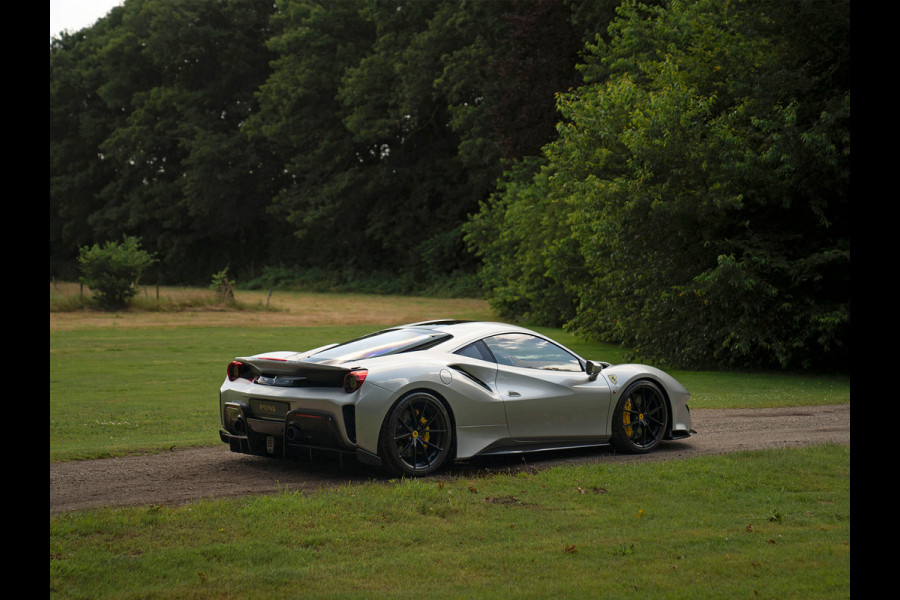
[514, 394]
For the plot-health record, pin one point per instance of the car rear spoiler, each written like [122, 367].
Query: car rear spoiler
[273, 364]
[274, 370]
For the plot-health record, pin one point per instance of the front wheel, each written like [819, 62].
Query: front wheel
[416, 435]
[640, 418]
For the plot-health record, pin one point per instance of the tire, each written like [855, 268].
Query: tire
[640, 419]
[416, 436]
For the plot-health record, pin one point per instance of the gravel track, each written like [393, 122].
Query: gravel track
[188, 475]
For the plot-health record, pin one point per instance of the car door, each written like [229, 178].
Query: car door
[545, 390]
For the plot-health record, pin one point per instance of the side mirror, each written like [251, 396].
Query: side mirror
[592, 369]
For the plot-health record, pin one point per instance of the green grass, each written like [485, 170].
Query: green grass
[770, 524]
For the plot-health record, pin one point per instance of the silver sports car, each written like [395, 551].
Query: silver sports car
[416, 397]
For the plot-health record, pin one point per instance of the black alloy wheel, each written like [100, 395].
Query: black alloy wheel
[416, 435]
[640, 418]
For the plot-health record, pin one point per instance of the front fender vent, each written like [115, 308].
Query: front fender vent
[471, 377]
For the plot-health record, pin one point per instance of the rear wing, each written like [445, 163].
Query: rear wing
[274, 370]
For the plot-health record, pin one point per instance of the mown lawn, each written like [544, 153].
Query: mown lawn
[773, 524]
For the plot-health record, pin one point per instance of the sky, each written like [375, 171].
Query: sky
[77, 14]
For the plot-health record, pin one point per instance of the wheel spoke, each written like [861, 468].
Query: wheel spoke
[428, 458]
[411, 444]
[432, 445]
[428, 422]
[639, 432]
[416, 451]
[646, 436]
[656, 422]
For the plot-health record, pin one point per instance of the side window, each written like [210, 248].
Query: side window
[476, 350]
[521, 350]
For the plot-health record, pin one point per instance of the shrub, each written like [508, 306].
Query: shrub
[223, 287]
[112, 271]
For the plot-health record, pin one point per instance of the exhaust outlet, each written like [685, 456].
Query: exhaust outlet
[239, 426]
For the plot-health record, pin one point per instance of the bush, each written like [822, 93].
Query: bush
[223, 287]
[112, 271]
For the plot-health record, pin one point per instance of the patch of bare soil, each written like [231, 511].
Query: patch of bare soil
[183, 476]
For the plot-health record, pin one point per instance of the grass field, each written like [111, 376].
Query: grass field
[772, 524]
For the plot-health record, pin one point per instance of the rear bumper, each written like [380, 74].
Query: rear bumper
[241, 444]
[298, 432]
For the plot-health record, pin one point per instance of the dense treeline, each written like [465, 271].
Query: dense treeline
[351, 136]
[674, 175]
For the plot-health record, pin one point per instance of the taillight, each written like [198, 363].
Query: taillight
[234, 369]
[354, 380]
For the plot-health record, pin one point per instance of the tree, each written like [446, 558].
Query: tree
[80, 120]
[147, 115]
[301, 118]
[703, 174]
[350, 136]
[392, 119]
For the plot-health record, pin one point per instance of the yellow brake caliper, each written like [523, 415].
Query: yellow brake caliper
[427, 435]
[427, 430]
[626, 417]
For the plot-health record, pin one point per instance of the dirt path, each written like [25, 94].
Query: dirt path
[187, 475]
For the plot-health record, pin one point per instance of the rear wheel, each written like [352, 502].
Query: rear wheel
[640, 418]
[416, 435]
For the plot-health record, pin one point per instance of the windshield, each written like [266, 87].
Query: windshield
[392, 341]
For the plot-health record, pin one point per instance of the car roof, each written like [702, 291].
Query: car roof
[467, 329]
